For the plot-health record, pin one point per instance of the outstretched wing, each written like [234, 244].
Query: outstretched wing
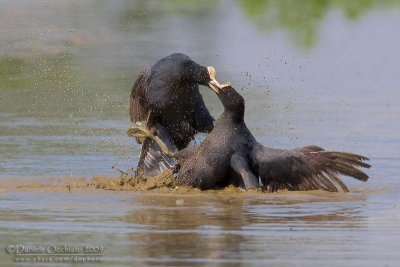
[137, 109]
[306, 168]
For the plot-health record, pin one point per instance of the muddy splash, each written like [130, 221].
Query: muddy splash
[162, 183]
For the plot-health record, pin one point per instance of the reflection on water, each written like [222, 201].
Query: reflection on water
[196, 228]
[233, 225]
[284, 228]
[303, 20]
[66, 69]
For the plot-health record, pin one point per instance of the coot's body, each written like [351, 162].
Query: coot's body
[231, 155]
[167, 100]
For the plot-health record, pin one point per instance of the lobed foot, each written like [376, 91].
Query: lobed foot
[141, 132]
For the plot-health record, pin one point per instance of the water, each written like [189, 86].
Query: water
[324, 73]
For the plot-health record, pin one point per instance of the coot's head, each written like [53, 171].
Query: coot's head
[195, 73]
[233, 102]
[178, 69]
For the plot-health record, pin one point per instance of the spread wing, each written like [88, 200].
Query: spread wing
[306, 168]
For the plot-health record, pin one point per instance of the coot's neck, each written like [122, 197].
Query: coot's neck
[234, 104]
[194, 73]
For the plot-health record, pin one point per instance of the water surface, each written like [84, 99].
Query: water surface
[324, 73]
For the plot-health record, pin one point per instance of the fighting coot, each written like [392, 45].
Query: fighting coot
[231, 155]
[167, 100]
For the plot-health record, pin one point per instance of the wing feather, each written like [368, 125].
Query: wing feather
[306, 168]
[137, 107]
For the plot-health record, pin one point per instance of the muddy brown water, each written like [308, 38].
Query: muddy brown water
[323, 73]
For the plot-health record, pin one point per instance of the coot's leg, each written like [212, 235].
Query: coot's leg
[141, 133]
[151, 160]
[242, 172]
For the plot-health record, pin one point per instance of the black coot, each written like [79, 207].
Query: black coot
[167, 100]
[231, 155]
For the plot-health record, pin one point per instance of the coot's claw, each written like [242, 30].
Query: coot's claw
[141, 132]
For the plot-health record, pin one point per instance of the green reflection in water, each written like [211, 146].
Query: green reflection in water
[303, 18]
[49, 95]
[35, 85]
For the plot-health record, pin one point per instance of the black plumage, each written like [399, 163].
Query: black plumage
[231, 155]
[167, 100]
